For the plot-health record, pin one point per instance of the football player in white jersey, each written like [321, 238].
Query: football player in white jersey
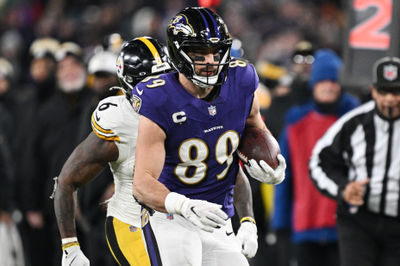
[114, 123]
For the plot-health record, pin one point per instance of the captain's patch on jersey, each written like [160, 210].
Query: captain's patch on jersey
[136, 103]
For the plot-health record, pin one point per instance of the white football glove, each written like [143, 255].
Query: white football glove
[264, 173]
[205, 215]
[247, 237]
[73, 256]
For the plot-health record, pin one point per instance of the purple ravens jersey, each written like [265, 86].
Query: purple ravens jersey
[202, 137]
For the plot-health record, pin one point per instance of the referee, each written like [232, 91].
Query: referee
[357, 162]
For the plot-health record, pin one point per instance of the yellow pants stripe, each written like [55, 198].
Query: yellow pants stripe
[126, 243]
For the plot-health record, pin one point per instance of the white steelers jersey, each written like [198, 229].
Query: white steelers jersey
[114, 119]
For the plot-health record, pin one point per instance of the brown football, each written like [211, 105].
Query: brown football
[258, 144]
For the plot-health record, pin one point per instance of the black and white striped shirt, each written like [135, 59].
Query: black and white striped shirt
[361, 144]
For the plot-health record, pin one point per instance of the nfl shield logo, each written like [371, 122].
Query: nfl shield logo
[132, 228]
[390, 72]
[212, 110]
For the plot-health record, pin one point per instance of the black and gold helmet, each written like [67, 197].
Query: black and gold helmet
[196, 28]
[139, 58]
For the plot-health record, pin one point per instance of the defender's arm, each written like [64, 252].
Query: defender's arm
[88, 159]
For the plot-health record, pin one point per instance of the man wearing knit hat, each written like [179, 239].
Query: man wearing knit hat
[324, 81]
[299, 206]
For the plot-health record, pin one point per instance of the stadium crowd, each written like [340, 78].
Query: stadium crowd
[50, 83]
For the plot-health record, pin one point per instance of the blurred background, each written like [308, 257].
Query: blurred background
[46, 101]
[267, 29]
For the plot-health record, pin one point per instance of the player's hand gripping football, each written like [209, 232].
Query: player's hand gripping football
[247, 237]
[73, 256]
[264, 173]
[205, 215]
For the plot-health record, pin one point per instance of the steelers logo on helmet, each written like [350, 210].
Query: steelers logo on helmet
[120, 67]
[194, 30]
[139, 58]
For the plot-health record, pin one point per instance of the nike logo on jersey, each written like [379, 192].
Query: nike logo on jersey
[140, 92]
[228, 233]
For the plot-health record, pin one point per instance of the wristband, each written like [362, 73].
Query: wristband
[67, 240]
[173, 202]
[248, 219]
[68, 245]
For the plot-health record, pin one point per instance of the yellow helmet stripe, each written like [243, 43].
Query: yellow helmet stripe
[152, 49]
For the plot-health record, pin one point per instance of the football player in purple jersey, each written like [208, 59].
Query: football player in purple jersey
[112, 142]
[190, 126]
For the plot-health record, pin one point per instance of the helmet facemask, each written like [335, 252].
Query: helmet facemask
[129, 82]
[202, 74]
